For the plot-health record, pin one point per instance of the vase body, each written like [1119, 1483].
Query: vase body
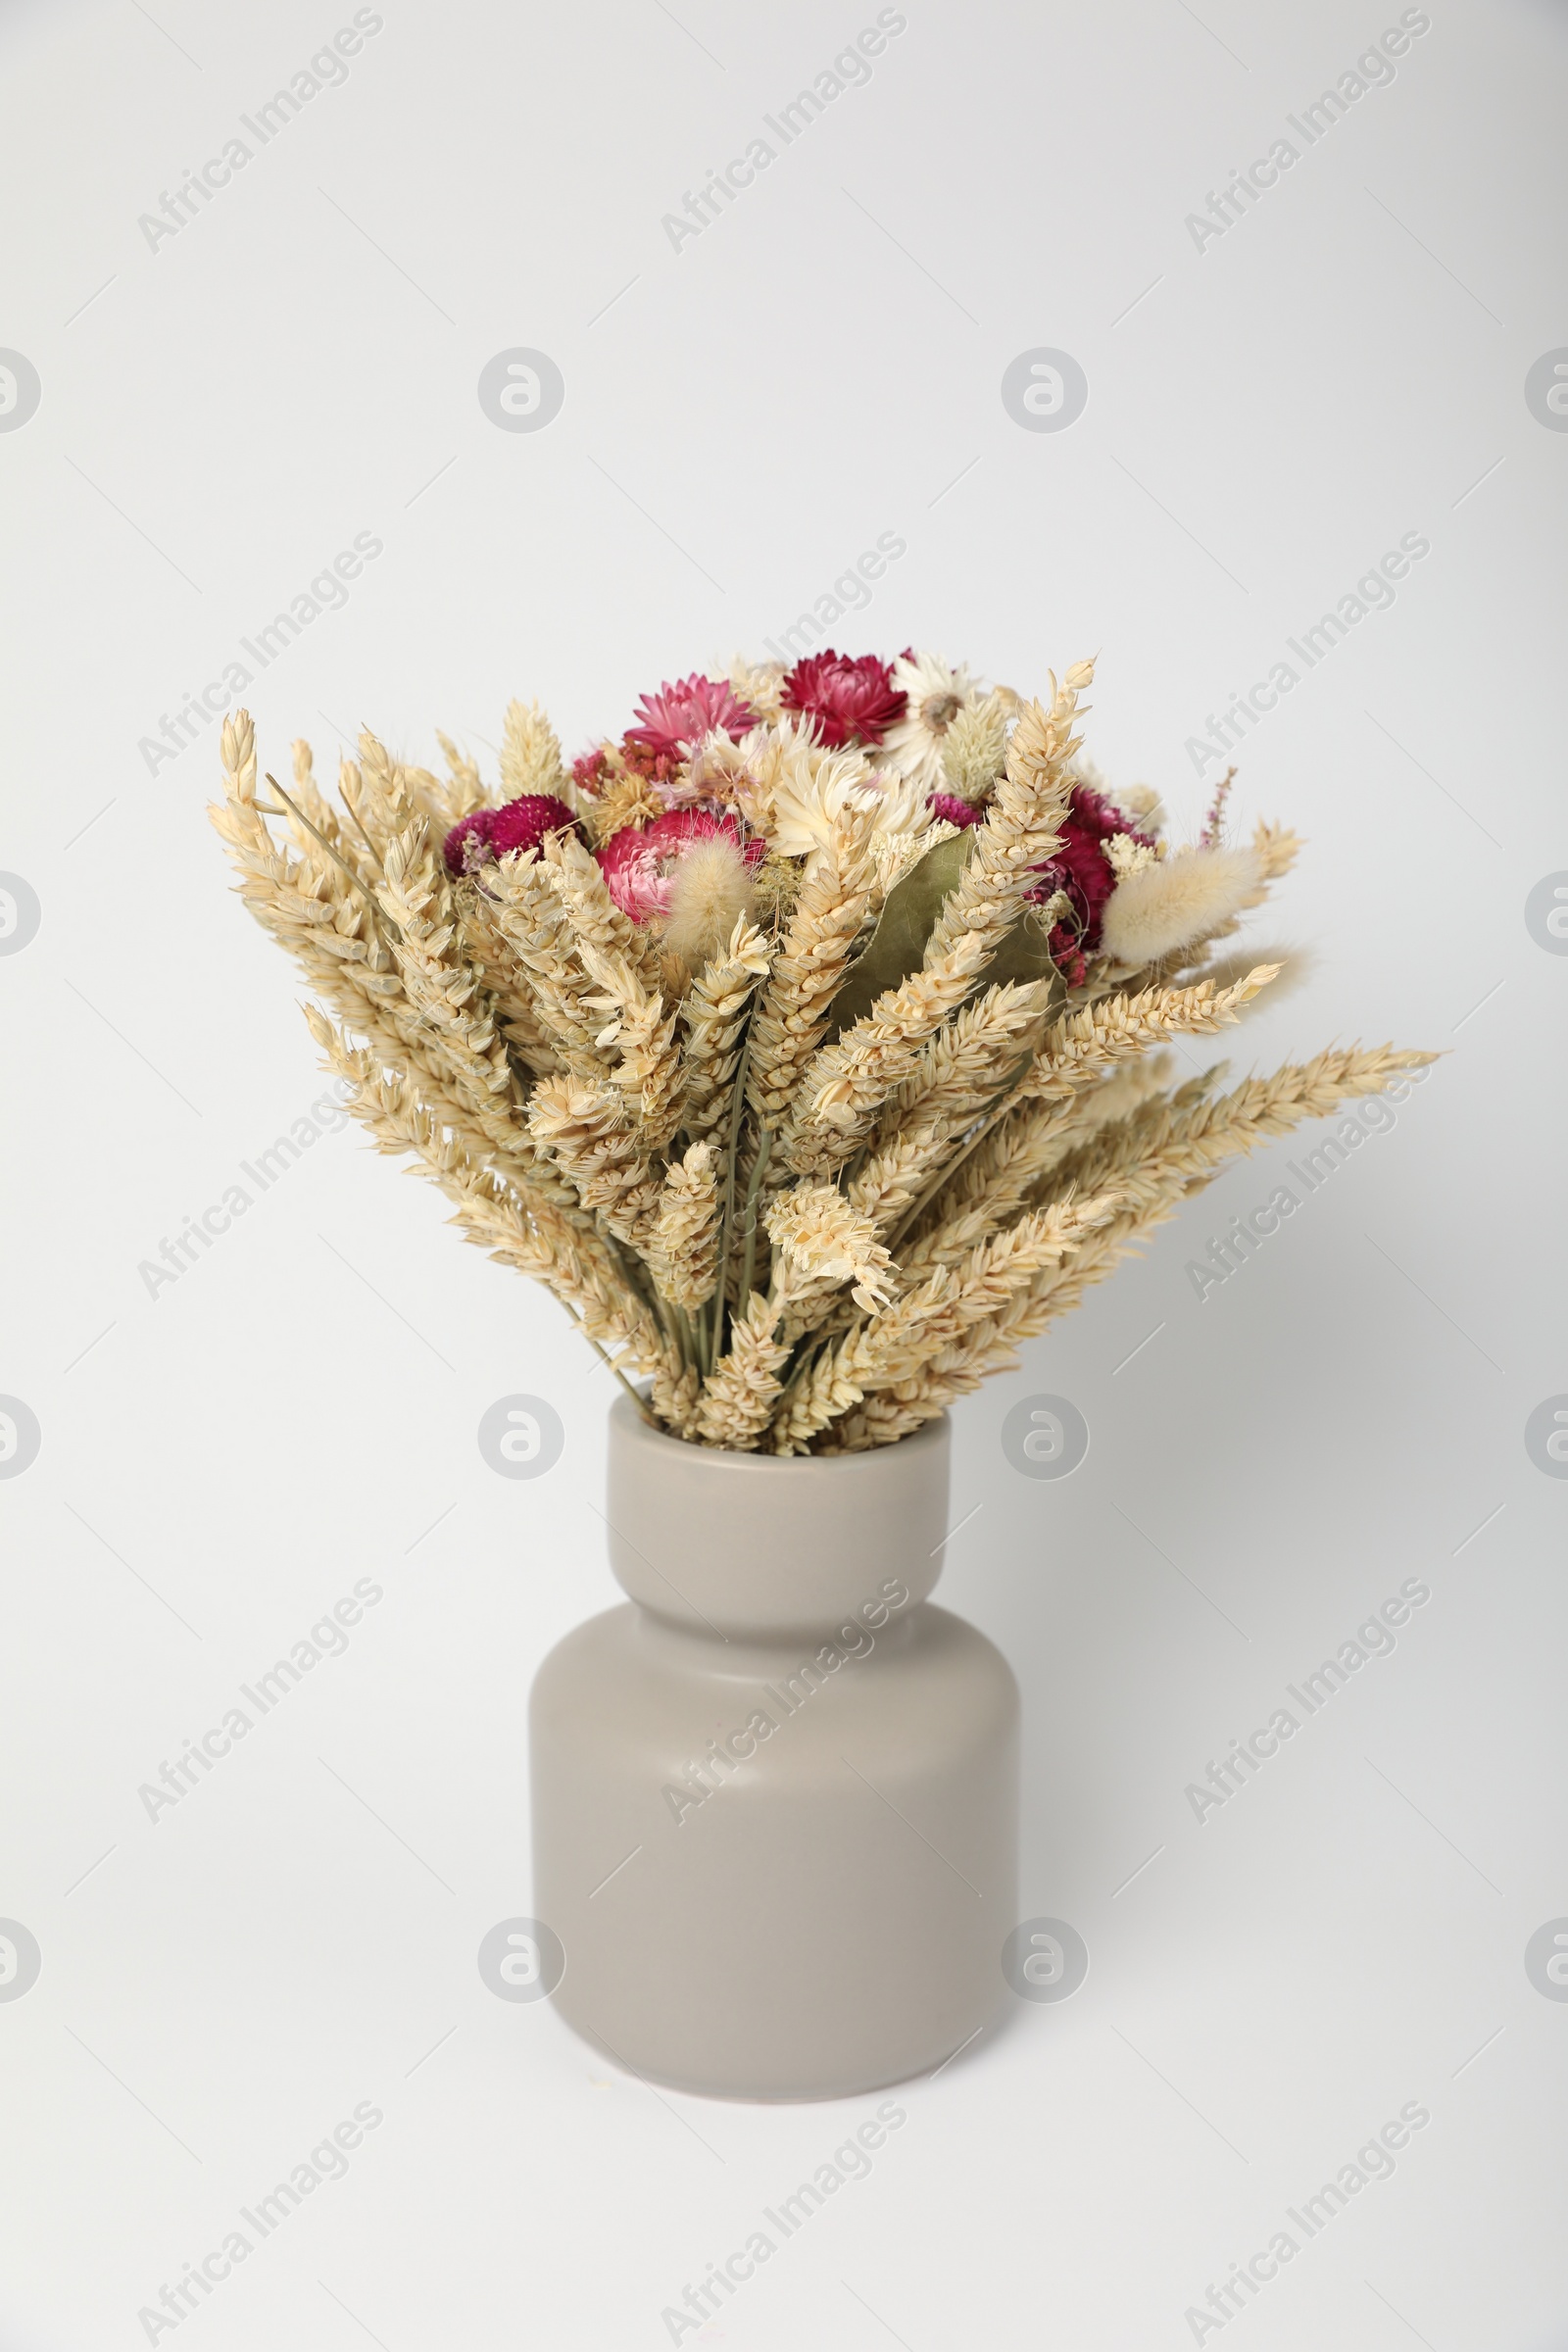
[775, 1794]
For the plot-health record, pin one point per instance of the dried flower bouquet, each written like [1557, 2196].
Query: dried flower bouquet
[805, 1041]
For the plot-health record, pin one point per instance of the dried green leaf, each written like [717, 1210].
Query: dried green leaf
[898, 944]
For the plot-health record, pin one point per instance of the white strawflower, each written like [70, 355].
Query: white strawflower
[937, 694]
[809, 793]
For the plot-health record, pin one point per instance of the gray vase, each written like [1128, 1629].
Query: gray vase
[775, 1795]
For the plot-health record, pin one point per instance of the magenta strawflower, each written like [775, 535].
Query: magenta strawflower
[638, 862]
[947, 804]
[487, 834]
[848, 698]
[675, 719]
[1081, 868]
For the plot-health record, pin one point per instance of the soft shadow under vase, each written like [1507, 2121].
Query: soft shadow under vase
[775, 1795]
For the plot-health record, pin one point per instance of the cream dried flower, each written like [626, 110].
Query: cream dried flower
[1143, 803]
[719, 776]
[805, 805]
[937, 694]
[629, 800]
[759, 684]
[808, 795]
[1125, 857]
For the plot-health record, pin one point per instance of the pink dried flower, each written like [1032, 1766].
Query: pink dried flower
[675, 719]
[638, 862]
[1082, 869]
[487, 834]
[847, 697]
[948, 806]
[657, 768]
[1215, 822]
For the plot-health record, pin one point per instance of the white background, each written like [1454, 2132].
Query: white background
[222, 1461]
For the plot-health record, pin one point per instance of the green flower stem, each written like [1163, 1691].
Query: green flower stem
[748, 1215]
[641, 1402]
[737, 1106]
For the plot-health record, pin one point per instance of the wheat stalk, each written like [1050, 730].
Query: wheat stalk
[715, 1012]
[1022, 828]
[845, 1085]
[797, 999]
[896, 1345]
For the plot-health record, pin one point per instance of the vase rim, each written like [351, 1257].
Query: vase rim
[631, 1424]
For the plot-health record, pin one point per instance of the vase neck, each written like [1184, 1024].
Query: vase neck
[740, 1546]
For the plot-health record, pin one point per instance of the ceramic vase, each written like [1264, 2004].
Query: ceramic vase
[775, 1792]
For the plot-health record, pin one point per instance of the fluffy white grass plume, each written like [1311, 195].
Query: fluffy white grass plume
[708, 893]
[1182, 898]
